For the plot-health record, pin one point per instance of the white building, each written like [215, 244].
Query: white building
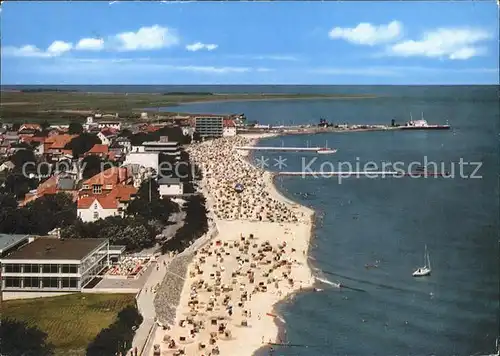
[104, 140]
[111, 124]
[170, 187]
[54, 265]
[164, 146]
[92, 208]
[145, 159]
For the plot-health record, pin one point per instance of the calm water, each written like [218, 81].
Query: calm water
[384, 311]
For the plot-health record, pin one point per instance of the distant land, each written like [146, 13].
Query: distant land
[59, 104]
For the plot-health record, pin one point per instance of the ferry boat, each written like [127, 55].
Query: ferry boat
[422, 124]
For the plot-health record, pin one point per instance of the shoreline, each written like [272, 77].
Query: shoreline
[263, 306]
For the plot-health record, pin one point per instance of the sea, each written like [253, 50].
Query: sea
[363, 221]
[371, 232]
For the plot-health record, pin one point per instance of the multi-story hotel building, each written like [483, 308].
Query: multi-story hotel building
[209, 127]
[54, 265]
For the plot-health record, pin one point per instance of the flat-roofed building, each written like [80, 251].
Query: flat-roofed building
[170, 187]
[163, 146]
[10, 242]
[209, 126]
[54, 265]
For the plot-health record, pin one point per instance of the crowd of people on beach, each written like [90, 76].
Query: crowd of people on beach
[214, 302]
[238, 189]
[223, 279]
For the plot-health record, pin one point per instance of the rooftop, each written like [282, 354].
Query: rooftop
[8, 240]
[169, 180]
[160, 143]
[111, 176]
[120, 193]
[46, 248]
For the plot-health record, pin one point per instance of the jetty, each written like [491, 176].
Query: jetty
[383, 174]
[341, 173]
[279, 148]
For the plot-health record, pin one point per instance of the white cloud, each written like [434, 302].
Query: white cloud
[368, 34]
[56, 49]
[199, 46]
[59, 47]
[147, 38]
[90, 44]
[451, 43]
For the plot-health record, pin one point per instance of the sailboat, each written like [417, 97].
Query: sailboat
[326, 150]
[426, 269]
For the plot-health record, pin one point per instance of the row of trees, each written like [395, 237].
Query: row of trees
[117, 338]
[195, 225]
[134, 233]
[37, 217]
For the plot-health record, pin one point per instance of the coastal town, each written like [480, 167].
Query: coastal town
[142, 209]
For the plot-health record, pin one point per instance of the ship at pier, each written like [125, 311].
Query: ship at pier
[422, 124]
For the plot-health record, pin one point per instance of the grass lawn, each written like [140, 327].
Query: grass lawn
[70, 321]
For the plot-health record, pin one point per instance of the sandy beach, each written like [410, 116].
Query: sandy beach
[258, 258]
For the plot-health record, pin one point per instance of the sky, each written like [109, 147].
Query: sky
[337, 43]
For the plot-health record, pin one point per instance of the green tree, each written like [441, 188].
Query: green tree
[91, 165]
[53, 211]
[17, 338]
[44, 125]
[117, 338]
[83, 143]
[148, 204]
[24, 158]
[75, 128]
[18, 184]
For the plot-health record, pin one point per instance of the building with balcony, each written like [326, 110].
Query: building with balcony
[54, 265]
[163, 146]
[209, 126]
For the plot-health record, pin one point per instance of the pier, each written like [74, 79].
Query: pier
[277, 148]
[362, 173]
[340, 173]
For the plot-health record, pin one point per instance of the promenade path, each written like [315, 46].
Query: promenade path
[145, 298]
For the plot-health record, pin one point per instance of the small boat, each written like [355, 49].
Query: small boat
[422, 125]
[325, 150]
[426, 269]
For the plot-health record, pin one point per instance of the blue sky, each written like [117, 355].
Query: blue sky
[250, 42]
